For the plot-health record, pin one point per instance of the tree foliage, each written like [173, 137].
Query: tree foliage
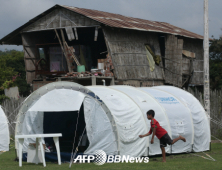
[216, 63]
[12, 72]
[216, 49]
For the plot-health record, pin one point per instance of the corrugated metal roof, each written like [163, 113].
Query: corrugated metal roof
[120, 21]
[109, 19]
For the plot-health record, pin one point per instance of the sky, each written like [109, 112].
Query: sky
[187, 14]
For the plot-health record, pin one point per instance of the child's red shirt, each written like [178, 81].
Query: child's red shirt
[159, 130]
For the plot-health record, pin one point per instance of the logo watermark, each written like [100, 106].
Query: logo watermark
[167, 100]
[100, 158]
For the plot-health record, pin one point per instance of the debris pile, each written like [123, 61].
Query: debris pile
[105, 68]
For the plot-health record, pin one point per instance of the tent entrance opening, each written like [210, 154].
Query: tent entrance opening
[70, 125]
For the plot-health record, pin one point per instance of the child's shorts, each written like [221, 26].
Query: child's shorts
[164, 140]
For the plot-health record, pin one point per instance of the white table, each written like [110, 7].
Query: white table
[39, 142]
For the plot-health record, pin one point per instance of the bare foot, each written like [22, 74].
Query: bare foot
[182, 138]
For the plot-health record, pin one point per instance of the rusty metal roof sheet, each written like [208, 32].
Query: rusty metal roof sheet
[120, 21]
[109, 19]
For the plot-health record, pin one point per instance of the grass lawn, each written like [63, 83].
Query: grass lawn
[174, 162]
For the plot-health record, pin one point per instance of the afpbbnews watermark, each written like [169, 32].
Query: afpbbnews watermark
[100, 157]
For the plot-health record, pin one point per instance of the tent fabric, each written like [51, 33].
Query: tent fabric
[179, 116]
[33, 124]
[115, 116]
[129, 120]
[147, 102]
[68, 98]
[202, 135]
[4, 132]
[100, 138]
[51, 102]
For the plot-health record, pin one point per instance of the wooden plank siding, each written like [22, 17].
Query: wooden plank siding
[30, 56]
[127, 49]
[195, 46]
[186, 65]
[60, 18]
[173, 60]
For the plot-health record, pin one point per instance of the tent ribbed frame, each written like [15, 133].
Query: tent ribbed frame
[36, 95]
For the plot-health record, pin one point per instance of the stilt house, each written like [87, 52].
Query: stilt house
[131, 51]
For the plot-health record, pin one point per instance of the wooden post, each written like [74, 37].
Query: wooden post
[93, 79]
[112, 81]
[206, 60]
[75, 30]
[66, 54]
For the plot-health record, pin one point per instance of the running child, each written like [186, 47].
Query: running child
[160, 133]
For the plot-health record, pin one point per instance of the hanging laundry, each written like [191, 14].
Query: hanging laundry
[156, 58]
[150, 59]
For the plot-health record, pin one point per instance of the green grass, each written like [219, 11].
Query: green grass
[174, 162]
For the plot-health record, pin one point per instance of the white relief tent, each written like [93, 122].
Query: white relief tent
[63, 97]
[202, 134]
[4, 132]
[115, 116]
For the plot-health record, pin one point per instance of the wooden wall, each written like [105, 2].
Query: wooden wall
[137, 83]
[186, 65]
[173, 60]
[127, 49]
[196, 46]
[60, 18]
[30, 56]
[176, 65]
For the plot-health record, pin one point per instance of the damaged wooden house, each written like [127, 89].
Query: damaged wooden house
[92, 47]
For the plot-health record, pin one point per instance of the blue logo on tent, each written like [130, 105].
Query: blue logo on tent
[167, 100]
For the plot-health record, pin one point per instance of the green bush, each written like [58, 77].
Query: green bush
[12, 72]
[216, 63]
